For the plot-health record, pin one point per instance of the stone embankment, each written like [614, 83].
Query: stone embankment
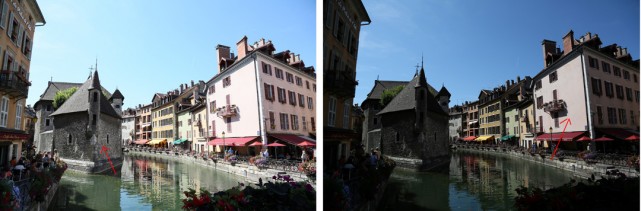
[578, 168]
[246, 172]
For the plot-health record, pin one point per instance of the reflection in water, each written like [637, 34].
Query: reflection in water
[143, 183]
[475, 181]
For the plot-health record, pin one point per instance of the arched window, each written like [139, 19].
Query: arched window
[69, 139]
[107, 138]
[95, 96]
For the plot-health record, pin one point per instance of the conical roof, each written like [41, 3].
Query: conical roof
[117, 95]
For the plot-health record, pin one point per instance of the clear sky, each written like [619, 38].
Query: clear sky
[144, 47]
[474, 45]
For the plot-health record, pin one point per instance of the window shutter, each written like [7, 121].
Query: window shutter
[20, 33]
[6, 60]
[267, 91]
[10, 24]
[5, 11]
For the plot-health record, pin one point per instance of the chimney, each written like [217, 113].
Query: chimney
[548, 48]
[568, 42]
[297, 57]
[181, 88]
[192, 82]
[231, 55]
[624, 52]
[619, 51]
[241, 47]
[518, 79]
[512, 82]
[292, 58]
[507, 83]
[222, 52]
[201, 84]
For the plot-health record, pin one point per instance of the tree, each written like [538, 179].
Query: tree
[62, 96]
[389, 94]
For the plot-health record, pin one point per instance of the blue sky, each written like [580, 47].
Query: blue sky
[474, 45]
[144, 47]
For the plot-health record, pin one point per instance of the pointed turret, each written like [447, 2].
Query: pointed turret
[95, 81]
[117, 100]
[443, 98]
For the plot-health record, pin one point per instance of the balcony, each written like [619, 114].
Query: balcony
[14, 84]
[525, 118]
[339, 83]
[227, 111]
[554, 106]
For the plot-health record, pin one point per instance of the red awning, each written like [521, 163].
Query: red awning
[620, 134]
[141, 141]
[232, 141]
[292, 139]
[603, 138]
[567, 136]
[469, 138]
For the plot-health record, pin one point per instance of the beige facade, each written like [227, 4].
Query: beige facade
[18, 20]
[143, 122]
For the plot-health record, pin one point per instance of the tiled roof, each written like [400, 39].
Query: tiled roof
[79, 102]
[117, 95]
[405, 100]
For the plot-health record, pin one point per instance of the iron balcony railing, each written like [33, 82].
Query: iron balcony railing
[14, 84]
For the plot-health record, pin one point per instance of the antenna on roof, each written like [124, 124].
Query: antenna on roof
[416, 73]
[90, 69]
[96, 62]
[377, 77]
[421, 60]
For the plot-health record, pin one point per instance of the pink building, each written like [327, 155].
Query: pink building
[595, 86]
[260, 95]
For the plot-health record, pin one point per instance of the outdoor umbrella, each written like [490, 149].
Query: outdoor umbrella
[257, 143]
[603, 138]
[306, 144]
[275, 144]
[632, 138]
[584, 138]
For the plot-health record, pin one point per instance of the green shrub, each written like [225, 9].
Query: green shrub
[389, 94]
[62, 96]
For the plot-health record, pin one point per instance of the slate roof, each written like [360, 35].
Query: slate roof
[79, 101]
[406, 98]
[54, 87]
[443, 92]
[117, 95]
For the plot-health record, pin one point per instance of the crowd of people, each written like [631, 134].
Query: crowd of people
[20, 168]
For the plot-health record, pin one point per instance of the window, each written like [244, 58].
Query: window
[69, 139]
[95, 96]
[596, 86]
[626, 75]
[310, 103]
[307, 84]
[628, 93]
[48, 107]
[301, 100]
[636, 94]
[311, 120]
[608, 89]
[292, 98]
[290, 77]
[599, 115]
[284, 121]
[332, 111]
[227, 81]
[635, 78]
[267, 69]
[4, 112]
[272, 120]
[553, 77]
[269, 92]
[47, 122]
[594, 63]
[228, 121]
[94, 120]
[538, 85]
[15, 29]
[5, 14]
[606, 67]
[622, 118]
[212, 106]
[18, 122]
[211, 89]
[107, 138]
[346, 109]
[279, 73]
[619, 90]
[632, 117]
[294, 122]
[304, 123]
[616, 70]
[612, 116]
[282, 97]
[539, 102]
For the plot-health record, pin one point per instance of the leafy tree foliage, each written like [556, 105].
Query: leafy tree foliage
[389, 94]
[62, 96]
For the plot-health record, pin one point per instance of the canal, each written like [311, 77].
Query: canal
[473, 181]
[143, 183]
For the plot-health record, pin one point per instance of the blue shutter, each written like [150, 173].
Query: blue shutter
[10, 24]
[5, 10]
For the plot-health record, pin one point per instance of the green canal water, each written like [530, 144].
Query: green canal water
[473, 181]
[143, 183]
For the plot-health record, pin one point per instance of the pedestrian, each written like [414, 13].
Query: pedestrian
[303, 156]
[13, 161]
[20, 166]
[265, 154]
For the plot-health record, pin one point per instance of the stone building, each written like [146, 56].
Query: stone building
[414, 127]
[43, 133]
[371, 132]
[85, 123]
[455, 123]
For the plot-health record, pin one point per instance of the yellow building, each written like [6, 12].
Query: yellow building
[162, 116]
[18, 20]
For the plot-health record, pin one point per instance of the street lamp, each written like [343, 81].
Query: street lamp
[224, 144]
[550, 135]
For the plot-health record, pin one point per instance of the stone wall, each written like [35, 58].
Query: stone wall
[109, 129]
[83, 146]
[41, 139]
[428, 144]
